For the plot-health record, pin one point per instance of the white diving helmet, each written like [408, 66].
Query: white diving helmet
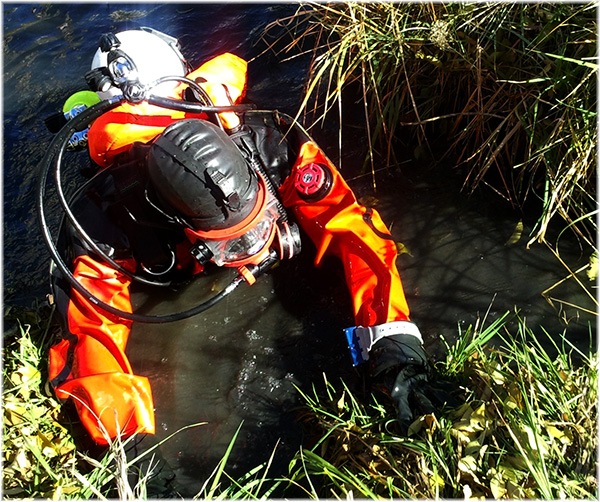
[143, 54]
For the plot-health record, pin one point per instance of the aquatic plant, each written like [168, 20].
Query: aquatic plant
[504, 91]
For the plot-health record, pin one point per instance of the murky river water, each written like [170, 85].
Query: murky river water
[241, 360]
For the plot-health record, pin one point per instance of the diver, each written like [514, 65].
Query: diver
[214, 182]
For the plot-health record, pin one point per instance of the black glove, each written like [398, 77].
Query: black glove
[399, 364]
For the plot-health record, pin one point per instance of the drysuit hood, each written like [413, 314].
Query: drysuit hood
[197, 171]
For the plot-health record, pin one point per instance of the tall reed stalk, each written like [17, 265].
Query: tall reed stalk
[506, 91]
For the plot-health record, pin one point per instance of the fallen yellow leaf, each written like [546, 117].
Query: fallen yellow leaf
[497, 484]
[436, 481]
[556, 433]
[592, 271]
[340, 403]
[402, 249]
[516, 235]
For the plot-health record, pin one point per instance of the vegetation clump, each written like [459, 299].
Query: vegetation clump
[39, 455]
[526, 429]
[505, 90]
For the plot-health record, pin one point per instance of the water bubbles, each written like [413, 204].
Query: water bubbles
[164, 360]
[252, 335]
[273, 383]
[164, 426]
[226, 320]
[248, 372]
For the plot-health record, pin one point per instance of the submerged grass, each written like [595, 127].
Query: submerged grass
[526, 428]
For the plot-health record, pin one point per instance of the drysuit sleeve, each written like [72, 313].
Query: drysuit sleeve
[339, 225]
[224, 80]
[89, 364]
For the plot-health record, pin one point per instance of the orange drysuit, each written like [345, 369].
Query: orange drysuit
[89, 364]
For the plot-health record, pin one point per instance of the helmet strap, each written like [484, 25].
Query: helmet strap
[230, 197]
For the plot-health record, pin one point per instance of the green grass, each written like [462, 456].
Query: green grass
[526, 428]
[506, 92]
[38, 455]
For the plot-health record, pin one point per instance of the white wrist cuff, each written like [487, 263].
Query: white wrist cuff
[361, 339]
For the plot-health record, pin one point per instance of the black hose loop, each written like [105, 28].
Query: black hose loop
[78, 228]
[189, 107]
[56, 148]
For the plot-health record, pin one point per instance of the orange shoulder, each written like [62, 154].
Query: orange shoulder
[115, 131]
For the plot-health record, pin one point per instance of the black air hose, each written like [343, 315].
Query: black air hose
[57, 146]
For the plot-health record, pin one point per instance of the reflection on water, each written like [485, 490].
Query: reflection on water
[461, 263]
[242, 360]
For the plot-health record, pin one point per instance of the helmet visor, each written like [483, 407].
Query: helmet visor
[243, 249]
[248, 247]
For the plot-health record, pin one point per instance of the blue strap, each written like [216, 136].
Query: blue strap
[354, 346]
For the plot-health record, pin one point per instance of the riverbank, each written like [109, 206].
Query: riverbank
[503, 93]
[525, 427]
